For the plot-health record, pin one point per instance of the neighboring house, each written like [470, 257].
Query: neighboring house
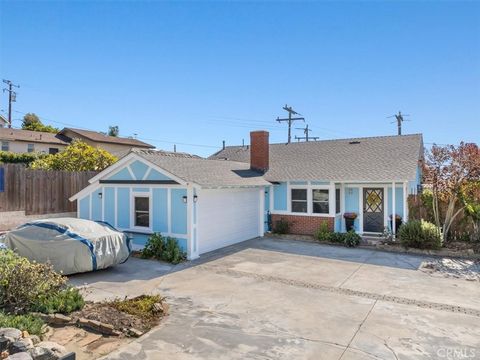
[3, 122]
[113, 144]
[24, 141]
[210, 203]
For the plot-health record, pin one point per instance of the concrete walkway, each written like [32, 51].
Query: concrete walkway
[280, 299]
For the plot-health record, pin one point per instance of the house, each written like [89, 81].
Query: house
[26, 141]
[113, 144]
[210, 203]
[3, 122]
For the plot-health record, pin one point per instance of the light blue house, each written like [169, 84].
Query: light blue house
[210, 203]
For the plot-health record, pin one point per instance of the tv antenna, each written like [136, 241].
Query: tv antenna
[290, 120]
[307, 137]
[399, 120]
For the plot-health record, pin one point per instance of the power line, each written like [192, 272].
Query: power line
[12, 97]
[290, 120]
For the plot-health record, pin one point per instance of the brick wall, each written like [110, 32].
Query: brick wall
[304, 225]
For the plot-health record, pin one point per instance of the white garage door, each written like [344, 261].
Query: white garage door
[226, 217]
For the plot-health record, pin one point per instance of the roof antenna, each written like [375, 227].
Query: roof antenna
[399, 120]
[307, 137]
[290, 120]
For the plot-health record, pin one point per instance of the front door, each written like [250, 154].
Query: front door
[373, 210]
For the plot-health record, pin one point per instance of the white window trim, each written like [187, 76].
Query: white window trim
[6, 144]
[133, 195]
[309, 187]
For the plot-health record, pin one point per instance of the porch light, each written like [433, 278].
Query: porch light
[195, 198]
[100, 195]
[184, 198]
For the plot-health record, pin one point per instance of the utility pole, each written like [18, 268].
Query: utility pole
[12, 97]
[399, 120]
[307, 137]
[290, 120]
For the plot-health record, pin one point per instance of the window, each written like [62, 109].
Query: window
[299, 200]
[52, 151]
[320, 201]
[30, 147]
[5, 146]
[337, 201]
[142, 211]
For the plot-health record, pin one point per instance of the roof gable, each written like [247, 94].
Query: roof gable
[101, 138]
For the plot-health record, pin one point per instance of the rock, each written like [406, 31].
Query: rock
[60, 319]
[4, 343]
[11, 333]
[20, 356]
[35, 339]
[25, 334]
[22, 345]
[134, 332]
[40, 353]
[3, 354]
[52, 347]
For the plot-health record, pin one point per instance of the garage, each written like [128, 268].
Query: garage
[228, 216]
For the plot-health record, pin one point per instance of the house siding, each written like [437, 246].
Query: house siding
[280, 197]
[179, 211]
[352, 204]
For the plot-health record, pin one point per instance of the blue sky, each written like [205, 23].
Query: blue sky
[203, 72]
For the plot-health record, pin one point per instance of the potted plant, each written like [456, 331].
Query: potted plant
[350, 220]
[398, 221]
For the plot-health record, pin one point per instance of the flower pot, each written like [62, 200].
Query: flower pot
[350, 224]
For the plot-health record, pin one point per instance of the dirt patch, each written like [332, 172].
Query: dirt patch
[140, 313]
[454, 268]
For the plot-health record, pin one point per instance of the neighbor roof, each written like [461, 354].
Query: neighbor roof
[101, 138]
[382, 158]
[31, 136]
[204, 172]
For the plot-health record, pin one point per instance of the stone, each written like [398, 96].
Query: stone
[22, 345]
[3, 355]
[20, 356]
[4, 343]
[35, 339]
[56, 349]
[90, 338]
[134, 332]
[11, 333]
[25, 334]
[60, 319]
[40, 353]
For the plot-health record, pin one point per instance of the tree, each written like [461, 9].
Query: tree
[78, 156]
[33, 123]
[449, 170]
[113, 131]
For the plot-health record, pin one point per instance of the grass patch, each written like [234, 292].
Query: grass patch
[145, 306]
[29, 323]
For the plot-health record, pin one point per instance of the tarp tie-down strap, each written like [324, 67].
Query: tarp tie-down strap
[67, 232]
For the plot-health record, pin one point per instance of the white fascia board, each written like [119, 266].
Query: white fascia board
[130, 158]
[85, 191]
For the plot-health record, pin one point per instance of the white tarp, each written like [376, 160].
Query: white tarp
[71, 245]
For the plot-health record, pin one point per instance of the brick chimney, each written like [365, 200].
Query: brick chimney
[259, 154]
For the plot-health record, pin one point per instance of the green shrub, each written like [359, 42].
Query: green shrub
[338, 237]
[22, 281]
[65, 301]
[324, 233]
[14, 158]
[352, 239]
[163, 248]
[29, 323]
[420, 234]
[282, 226]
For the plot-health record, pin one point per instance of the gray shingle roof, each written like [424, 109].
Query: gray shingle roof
[204, 172]
[383, 158]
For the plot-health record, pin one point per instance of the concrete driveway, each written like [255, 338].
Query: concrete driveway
[279, 299]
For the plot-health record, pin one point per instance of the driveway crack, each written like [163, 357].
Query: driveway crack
[359, 327]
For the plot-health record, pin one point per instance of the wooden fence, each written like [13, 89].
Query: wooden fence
[40, 191]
